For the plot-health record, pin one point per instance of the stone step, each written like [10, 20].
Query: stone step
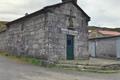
[91, 61]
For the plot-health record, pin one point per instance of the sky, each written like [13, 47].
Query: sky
[103, 13]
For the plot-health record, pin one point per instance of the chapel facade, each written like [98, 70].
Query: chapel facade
[56, 32]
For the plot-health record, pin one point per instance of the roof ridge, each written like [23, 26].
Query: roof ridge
[44, 9]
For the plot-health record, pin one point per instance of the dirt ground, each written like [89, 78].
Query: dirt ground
[11, 70]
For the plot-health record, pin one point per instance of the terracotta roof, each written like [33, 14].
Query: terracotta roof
[110, 33]
[98, 38]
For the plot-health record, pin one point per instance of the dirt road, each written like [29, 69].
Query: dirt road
[10, 70]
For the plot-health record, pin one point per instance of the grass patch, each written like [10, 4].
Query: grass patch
[28, 60]
[22, 59]
[82, 68]
[4, 54]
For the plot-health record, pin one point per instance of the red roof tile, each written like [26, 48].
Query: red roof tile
[111, 33]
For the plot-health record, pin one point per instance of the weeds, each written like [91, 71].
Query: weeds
[24, 59]
[45, 63]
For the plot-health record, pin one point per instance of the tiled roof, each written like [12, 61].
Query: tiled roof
[110, 33]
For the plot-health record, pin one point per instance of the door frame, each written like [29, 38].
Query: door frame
[72, 47]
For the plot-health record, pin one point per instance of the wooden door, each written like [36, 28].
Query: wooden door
[70, 47]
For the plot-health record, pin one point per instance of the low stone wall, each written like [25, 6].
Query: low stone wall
[3, 41]
[104, 47]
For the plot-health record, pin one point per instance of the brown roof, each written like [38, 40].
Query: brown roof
[110, 33]
[45, 9]
[98, 38]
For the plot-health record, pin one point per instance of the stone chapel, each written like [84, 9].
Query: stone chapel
[56, 32]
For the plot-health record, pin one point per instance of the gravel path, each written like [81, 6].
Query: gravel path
[10, 70]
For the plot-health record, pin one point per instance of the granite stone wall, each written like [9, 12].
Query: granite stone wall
[27, 37]
[44, 35]
[58, 19]
[3, 41]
